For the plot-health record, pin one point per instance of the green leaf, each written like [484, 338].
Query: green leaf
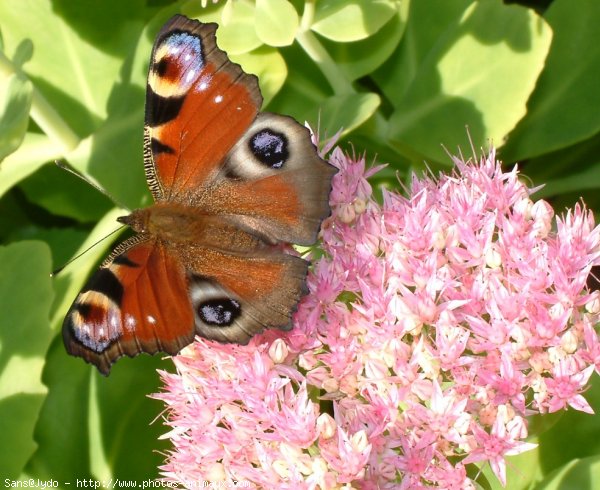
[427, 22]
[25, 299]
[112, 154]
[33, 153]
[584, 173]
[352, 20]
[95, 427]
[23, 53]
[62, 241]
[62, 429]
[268, 64]
[64, 194]
[12, 217]
[78, 51]
[15, 100]
[563, 110]
[305, 87]
[113, 157]
[238, 35]
[130, 438]
[360, 58]
[276, 22]
[588, 178]
[576, 474]
[347, 111]
[479, 74]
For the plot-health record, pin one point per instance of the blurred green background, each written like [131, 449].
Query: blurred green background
[403, 80]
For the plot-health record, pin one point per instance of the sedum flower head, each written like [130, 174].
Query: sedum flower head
[436, 322]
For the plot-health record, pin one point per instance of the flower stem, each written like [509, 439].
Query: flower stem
[52, 123]
[315, 50]
[43, 113]
[308, 15]
[320, 56]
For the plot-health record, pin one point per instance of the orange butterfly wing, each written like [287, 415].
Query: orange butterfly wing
[198, 105]
[206, 146]
[137, 301]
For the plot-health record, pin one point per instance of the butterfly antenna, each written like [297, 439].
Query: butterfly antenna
[56, 271]
[64, 166]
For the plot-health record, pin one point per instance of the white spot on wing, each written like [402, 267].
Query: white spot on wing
[218, 99]
[203, 83]
[190, 75]
[129, 322]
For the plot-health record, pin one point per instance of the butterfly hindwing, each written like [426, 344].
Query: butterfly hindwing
[274, 182]
[151, 298]
[237, 296]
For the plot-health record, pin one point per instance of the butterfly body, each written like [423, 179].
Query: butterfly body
[232, 186]
[178, 225]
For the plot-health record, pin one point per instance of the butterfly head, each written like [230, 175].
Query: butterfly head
[137, 220]
[155, 220]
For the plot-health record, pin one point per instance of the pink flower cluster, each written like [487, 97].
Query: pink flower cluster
[436, 322]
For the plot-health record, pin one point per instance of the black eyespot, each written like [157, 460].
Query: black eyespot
[161, 67]
[270, 148]
[220, 312]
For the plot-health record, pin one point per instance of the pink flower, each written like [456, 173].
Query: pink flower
[436, 322]
[416, 457]
[493, 446]
[565, 386]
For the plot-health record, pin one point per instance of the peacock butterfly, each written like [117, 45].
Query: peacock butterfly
[230, 185]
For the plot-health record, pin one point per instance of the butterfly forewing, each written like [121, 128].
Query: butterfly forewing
[136, 302]
[198, 105]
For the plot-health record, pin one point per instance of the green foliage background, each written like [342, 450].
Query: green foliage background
[400, 77]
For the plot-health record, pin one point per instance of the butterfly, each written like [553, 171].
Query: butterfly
[231, 186]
